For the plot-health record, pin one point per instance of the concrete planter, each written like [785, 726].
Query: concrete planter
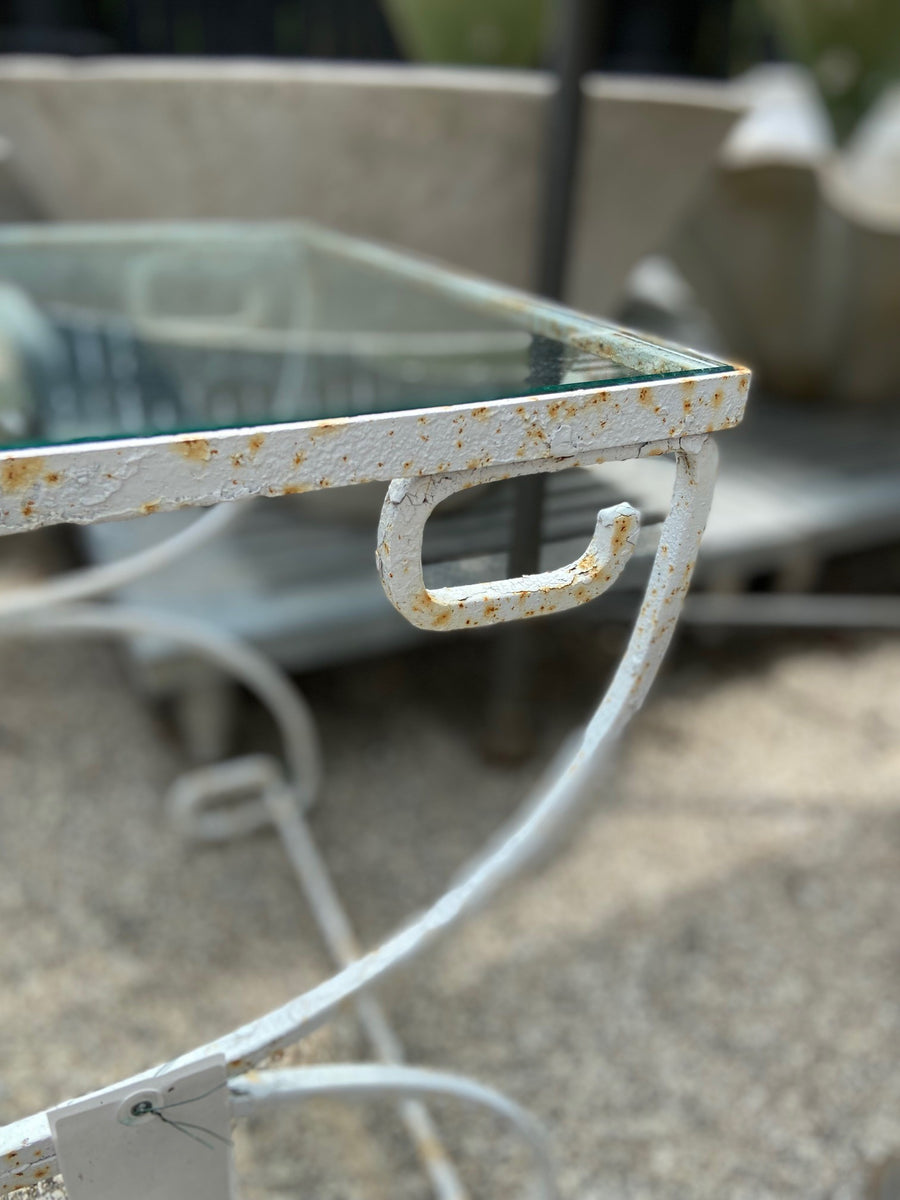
[445, 161]
[794, 247]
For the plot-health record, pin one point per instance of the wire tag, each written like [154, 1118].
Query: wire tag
[168, 1138]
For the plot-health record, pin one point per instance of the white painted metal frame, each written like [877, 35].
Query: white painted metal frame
[674, 394]
[428, 454]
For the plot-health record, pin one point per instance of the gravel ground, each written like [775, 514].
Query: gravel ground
[697, 993]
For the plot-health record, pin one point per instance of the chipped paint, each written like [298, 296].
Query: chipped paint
[173, 472]
[407, 507]
[193, 449]
[19, 473]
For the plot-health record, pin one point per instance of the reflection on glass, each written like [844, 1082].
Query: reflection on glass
[174, 328]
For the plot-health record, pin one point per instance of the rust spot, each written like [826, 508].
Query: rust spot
[52, 477]
[717, 399]
[621, 529]
[645, 396]
[490, 610]
[481, 414]
[40, 1172]
[459, 445]
[325, 428]
[255, 443]
[299, 458]
[27, 508]
[420, 601]
[237, 460]
[151, 506]
[20, 473]
[441, 618]
[193, 449]
[687, 406]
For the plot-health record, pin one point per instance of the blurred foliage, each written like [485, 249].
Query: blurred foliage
[851, 46]
[507, 33]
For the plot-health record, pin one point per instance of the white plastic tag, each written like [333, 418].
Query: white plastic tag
[168, 1138]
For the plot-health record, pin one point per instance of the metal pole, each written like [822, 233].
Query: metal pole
[509, 715]
[575, 25]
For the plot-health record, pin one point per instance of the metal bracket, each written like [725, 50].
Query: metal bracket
[408, 505]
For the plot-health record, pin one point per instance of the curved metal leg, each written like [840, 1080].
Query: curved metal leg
[669, 580]
[271, 801]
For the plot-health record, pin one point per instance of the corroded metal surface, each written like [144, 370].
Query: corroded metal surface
[407, 507]
[427, 454]
[27, 1153]
[106, 480]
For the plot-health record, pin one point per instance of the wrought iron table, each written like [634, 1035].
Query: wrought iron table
[147, 368]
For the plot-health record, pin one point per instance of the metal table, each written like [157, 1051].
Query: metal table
[155, 367]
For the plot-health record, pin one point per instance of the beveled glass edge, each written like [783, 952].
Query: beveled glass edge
[582, 391]
[415, 409]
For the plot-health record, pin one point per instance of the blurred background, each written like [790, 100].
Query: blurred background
[697, 993]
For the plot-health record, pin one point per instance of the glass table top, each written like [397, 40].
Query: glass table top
[135, 330]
